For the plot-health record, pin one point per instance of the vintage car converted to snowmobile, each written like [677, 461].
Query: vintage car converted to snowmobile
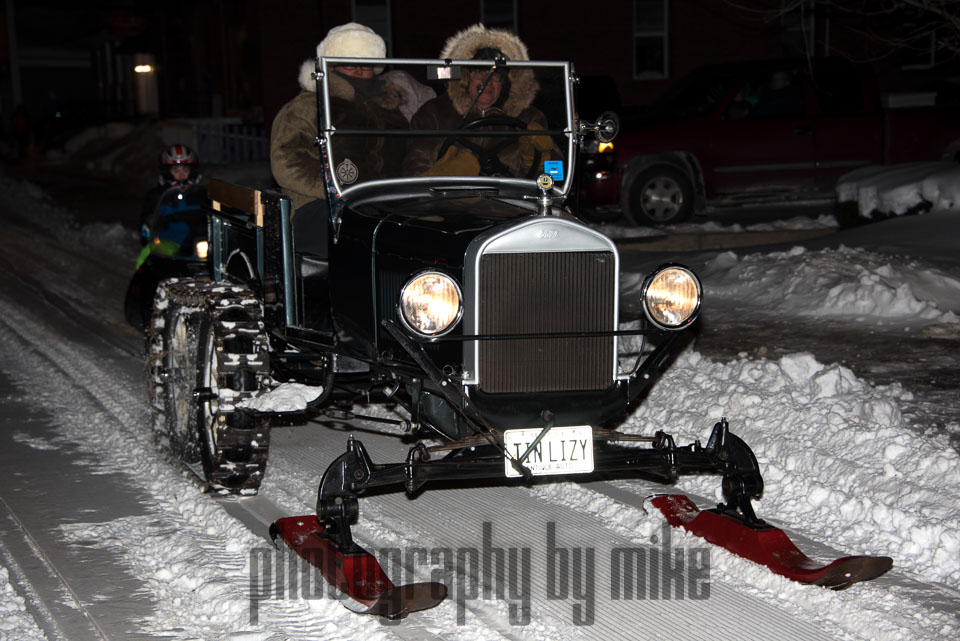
[479, 304]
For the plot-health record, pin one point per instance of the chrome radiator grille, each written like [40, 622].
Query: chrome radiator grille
[546, 292]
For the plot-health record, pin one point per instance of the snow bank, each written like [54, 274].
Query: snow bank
[29, 202]
[838, 460]
[898, 189]
[193, 558]
[16, 621]
[618, 231]
[855, 284]
[121, 149]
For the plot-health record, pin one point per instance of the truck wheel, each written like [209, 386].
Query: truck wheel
[660, 195]
[232, 365]
[173, 339]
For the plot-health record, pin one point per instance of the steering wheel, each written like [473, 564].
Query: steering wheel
[489, 157]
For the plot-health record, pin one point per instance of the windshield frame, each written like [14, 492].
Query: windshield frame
[338, 195]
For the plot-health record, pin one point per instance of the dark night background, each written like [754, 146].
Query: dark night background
[239, 58]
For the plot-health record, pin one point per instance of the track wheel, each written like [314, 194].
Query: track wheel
[232, 364]
[173, 340]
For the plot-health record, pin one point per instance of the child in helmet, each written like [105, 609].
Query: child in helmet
[179, 169]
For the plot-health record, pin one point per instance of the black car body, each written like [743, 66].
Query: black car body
[481, 305]
[478, 307]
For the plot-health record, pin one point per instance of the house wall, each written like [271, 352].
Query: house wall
[599, 40]
[240, 57]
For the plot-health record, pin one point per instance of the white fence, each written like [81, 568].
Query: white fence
[221, 142]
[218, 141]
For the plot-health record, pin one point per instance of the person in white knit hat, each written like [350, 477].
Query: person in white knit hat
[353, 40]
[358, 99]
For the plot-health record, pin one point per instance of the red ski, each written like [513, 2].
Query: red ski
[356, 572]
[768, 545]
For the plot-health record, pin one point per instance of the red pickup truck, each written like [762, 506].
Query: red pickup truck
[756, 132]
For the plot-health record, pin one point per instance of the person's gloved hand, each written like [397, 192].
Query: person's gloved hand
[530, 145]
[456, 162]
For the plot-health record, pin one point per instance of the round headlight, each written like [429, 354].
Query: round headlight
[671, 297]
[430, 303]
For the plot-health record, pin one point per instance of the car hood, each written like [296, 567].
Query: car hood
[442, 226]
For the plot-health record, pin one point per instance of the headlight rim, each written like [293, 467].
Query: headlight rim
[646, 285]
[453, 323]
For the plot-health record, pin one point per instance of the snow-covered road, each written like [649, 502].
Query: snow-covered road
[105, 539]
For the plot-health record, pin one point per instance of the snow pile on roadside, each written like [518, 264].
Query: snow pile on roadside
[29, 202]
[118, 148]
[898, 189]
[202, 574]
[621, 231]
[823, 221]
[15, 620]
[194, 559]
[874, 611]
[176, 569]
[109, 237]
[834, 283]
[837, 459]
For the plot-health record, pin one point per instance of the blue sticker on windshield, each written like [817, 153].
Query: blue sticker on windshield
[554, 168]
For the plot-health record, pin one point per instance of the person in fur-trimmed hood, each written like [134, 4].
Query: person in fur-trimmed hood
[358, 99]
[478, 93]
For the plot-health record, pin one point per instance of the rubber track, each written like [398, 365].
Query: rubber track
[242, 349]
[189, 294]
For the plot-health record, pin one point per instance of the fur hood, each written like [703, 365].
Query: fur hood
[389, 97]
[465, 44]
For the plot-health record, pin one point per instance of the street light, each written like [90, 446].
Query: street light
[145, 83]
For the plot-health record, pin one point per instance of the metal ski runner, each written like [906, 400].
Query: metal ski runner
[767, 545]
[353, 570]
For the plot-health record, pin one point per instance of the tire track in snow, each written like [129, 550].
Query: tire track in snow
[37, 609]
[45, 359]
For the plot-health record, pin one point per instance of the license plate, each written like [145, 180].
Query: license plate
[563, 450]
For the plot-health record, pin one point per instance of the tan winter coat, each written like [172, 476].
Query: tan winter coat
[294, 155]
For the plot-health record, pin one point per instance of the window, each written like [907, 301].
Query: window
[776, 94]
[839, 87]
[798, 23]
[376, 15]
[650, 39]
[499, 14]
[920, 52]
